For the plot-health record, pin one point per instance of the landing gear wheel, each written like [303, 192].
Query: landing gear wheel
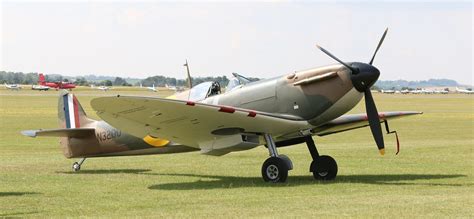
[76, 167]
[324, 168]
[275, 170]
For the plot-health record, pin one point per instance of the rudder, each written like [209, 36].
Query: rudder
[70, 112]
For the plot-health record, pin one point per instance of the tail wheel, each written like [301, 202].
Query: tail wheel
[275, 170]
[76, 167]
[324, 168]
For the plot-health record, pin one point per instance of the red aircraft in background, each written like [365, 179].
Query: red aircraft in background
[55, 85]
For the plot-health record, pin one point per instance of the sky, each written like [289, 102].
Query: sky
[257, 39]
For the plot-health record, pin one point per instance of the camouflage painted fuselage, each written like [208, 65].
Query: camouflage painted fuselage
[318, 101]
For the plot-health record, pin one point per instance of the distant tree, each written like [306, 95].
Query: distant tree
[107, 83]
[31, 78]
[81, 81]
[119, 81]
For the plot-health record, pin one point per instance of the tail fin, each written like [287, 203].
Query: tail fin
[41, 79]
[70, 112]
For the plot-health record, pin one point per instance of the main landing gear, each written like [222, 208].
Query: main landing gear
[77, 166]
[275, 169]
[323, 167]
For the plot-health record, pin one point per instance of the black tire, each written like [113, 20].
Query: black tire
[275, 170]
[324, 168]
[76, 167]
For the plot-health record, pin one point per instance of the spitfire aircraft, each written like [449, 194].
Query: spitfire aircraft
[277, 112]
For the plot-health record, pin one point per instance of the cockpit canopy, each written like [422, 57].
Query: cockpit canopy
[204, 90]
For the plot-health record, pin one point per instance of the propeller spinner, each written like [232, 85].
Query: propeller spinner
[363, 76]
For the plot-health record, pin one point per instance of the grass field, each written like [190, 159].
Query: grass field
[431, 177]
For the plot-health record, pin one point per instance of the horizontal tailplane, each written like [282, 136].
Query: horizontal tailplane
[72, 133]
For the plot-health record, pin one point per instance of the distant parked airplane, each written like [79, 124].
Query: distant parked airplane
[153, 88]
[464, 91]
[388, 91]
[56, 85]
[16, 87]
[39, 87]
[406, 91]
[102, 88]
[441, 92]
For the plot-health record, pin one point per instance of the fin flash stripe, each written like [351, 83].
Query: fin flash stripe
[71, 111]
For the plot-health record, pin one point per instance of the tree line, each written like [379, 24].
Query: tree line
[158, 80]
[32, 78]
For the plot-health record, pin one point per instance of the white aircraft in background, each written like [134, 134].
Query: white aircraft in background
[388, 91]
[102, 88]
[427, 91]
[464, 91]
[417, 91]
[39, 87]
[174, 88]
[13, 86]
[152, 88]
[441, 92]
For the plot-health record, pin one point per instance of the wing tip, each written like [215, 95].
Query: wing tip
[29, 133]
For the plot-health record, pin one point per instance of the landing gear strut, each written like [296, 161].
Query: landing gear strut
[275, 169]
[77, 166]
[323, 167]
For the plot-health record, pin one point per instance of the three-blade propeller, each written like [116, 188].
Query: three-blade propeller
[363, 82]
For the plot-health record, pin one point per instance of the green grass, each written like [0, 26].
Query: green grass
[431, 177]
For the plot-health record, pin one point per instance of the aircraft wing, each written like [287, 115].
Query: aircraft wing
[188, 123]
[354, 121]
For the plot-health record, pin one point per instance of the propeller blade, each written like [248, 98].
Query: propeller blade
[378, 46]
[335, 58]
[374, 122]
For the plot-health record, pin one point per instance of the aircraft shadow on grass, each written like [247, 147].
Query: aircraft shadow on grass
[108, 171]
[216, 182]
[5, 194]
[18, 213]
